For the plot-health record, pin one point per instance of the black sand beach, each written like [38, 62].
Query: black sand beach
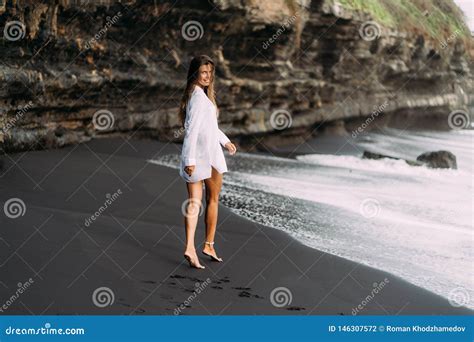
[135, 246]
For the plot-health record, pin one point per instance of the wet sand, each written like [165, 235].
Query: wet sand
[134, 247]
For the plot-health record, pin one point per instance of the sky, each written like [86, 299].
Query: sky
[468, 8]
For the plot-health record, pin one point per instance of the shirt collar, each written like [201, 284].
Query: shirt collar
[198, 88]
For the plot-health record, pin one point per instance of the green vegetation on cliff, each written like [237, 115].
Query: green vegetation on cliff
[437, 19]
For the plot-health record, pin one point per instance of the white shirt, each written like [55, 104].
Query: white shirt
[202, 138]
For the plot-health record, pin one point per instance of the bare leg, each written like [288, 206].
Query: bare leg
[191, 217]
[213, 188]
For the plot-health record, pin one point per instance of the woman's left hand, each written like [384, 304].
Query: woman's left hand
[231, 148]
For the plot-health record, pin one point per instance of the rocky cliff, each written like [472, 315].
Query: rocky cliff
[74, 70]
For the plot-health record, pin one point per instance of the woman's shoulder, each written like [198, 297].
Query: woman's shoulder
[198, 95]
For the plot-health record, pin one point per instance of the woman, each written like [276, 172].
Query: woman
[202, 159]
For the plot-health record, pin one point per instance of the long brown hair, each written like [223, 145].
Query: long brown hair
[193, 74]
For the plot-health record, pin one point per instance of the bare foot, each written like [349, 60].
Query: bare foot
[193, 259]
[210, 251]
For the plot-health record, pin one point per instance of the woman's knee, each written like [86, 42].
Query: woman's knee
[195, 189]
[212, 198]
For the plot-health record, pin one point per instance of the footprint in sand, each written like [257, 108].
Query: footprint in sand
[295, 308]
[138, 310]
[177, 276]
[247, 294]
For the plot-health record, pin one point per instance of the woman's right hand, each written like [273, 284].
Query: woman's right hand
[189, 169]
[231, 148]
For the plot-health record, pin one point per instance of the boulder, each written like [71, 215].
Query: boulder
[438, 159]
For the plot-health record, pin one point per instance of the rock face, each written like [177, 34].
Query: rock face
[70, 72]
[438, 159]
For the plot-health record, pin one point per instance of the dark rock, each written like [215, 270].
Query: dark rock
[438, 159]
[373, 155]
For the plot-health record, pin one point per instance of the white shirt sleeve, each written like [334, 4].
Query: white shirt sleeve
[192, 124]
[222, 137]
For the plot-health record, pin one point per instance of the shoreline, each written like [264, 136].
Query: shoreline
[134, 247]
